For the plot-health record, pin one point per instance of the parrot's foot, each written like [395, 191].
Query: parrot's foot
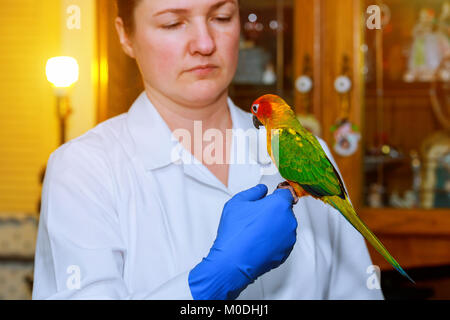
[286, 185]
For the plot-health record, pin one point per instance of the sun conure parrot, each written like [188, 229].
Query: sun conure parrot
[301, 160]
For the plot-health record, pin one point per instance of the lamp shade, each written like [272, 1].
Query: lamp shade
[62, 72]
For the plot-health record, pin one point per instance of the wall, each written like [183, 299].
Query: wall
[31, 31]
[29, 34]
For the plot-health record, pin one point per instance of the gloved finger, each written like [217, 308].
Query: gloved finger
[256, 193]
[285, 194]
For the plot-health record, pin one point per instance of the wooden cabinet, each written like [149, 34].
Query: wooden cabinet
[267, 55]
[119, 79]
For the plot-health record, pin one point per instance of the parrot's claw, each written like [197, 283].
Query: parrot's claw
[286, 185]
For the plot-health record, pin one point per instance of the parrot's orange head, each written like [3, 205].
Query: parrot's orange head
[265, 107]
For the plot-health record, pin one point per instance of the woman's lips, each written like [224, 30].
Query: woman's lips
[203, 70]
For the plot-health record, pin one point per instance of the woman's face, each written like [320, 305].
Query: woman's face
[187, 50]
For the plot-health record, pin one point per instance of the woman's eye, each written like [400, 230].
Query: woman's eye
[172, 26]
[223, 19]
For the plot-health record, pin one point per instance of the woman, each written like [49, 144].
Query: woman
[127, 213]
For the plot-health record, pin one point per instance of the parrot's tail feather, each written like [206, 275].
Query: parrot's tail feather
[346, 209]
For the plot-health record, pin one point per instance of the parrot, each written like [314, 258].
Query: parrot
[308, 171]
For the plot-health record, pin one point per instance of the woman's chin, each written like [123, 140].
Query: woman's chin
[204, 93]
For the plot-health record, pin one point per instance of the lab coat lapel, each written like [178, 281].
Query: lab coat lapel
[196, 170]
[248, 156]
[153, 139]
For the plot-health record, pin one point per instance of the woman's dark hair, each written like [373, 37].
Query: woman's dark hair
[125, 10]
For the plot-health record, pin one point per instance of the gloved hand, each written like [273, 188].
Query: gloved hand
[256, 234]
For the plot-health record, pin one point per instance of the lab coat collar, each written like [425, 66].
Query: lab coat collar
[154, 141]
[151, 135]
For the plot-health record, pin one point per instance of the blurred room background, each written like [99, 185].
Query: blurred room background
[371, 77]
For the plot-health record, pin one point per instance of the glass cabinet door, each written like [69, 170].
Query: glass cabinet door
[266, 52]
[406, 124]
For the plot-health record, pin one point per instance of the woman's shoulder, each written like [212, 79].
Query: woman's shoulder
[94, 148]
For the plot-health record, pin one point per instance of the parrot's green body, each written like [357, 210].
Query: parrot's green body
[301, 160]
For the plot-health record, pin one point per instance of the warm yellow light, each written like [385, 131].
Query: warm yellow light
[62, 72]
[385, 149]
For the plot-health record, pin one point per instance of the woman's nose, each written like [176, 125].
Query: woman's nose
[202, 40]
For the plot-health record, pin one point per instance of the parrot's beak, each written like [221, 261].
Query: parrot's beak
[256, 122]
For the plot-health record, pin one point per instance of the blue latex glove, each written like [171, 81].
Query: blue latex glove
[256, 234]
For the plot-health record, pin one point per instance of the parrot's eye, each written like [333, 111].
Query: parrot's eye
[255, 108]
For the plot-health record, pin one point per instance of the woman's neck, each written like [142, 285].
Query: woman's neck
[215, 115]
[178, 116]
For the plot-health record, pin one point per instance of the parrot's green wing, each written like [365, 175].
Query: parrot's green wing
[300, 158]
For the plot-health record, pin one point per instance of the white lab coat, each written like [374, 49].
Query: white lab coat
[122, 219]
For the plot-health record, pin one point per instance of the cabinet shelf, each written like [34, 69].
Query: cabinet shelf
[397, 87]
[415, 237]
[415, 221]
[371, 162]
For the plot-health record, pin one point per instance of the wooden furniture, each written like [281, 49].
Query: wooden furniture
[119, 79]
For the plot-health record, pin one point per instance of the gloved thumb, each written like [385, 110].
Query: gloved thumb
[284, 193]
[256, 193]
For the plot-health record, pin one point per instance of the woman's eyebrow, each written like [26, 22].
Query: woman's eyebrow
[183, 11]
[221, 3]
[171, 10]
